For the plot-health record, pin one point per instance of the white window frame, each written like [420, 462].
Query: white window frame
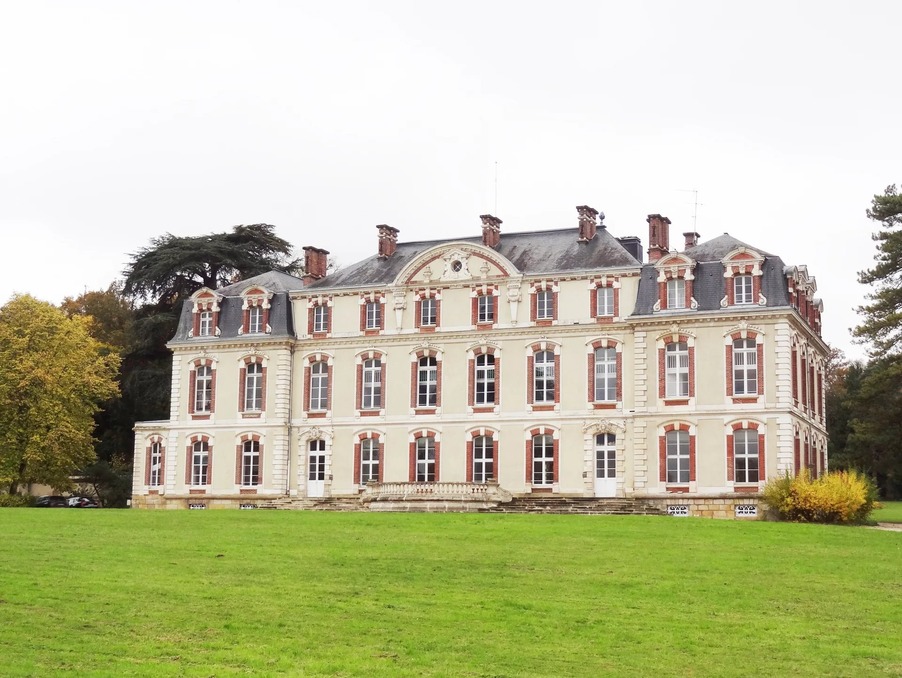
[253, 387]
[676, 370]
[677, 457]
[542, 460]
[373, 315]
[203, 388]
[425, 460]
[604, 301]
[485, 309]
[316, 448]
[369, 460]
[320, 318]
[200, 463]
[427, 382]
[250, 463]
[743, 289]
[545, 304]
[483, 459]
[156, 464]
[319, 386]
[606, 456]
[205, 324]
[371, 383]
[676, 293]
[745, 367]
[255, 319]
[428, 312]
[606, 374]
[543, 377]
[745, 456]
[484, 379]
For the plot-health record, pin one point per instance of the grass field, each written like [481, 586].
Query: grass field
[891, 512]
[229, 593]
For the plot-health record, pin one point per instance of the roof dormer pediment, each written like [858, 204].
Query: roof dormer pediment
[455, 262]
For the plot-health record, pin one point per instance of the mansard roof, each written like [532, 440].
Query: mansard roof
[548, 252]
[717, 248]
[273, 281]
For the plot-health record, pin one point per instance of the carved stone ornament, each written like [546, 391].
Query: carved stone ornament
[604, 426]
[457, 265]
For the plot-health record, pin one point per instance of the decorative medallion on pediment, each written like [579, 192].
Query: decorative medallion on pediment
[457, 265]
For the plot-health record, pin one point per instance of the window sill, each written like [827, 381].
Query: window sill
[676, 401]
[678, 489]
[543, 408]
[196, 491]
[604, 406]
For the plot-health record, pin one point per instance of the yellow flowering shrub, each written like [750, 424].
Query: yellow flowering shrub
[837, 497]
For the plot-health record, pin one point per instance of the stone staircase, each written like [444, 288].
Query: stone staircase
[576, 505]
[326, 504]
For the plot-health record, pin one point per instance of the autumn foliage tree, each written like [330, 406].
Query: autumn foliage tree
[53, 376]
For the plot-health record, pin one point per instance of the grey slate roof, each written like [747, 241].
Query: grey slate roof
[533, 253]
[717, 248]
[274, 281]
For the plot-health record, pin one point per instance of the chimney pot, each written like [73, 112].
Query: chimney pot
[491, 230]
[388, 240]
[588, 225]
[691, 239]
[658, 236]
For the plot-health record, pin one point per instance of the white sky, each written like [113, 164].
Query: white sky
[120, 121]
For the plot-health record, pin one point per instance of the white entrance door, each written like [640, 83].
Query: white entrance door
[316, 468]
[605, 465]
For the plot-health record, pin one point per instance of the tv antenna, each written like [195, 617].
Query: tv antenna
[495, 210]
[695, 205]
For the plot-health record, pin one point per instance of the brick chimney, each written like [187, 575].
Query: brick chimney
[588, 225]
[491, 230]
[691, 239]
[315, 264]
[658, 236]
[388, 240]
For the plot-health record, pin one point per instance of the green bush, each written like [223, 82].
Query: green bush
[16, 500]
[839, 497]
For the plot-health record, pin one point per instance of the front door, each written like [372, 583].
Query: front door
[605, 465]
[316, 468]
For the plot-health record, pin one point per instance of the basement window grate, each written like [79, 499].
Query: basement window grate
[678, 510]
[197, 507]
[746, 510]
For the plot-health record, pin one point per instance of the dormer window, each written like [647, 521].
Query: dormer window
[676, 280]
[255, 320]
[676, 293]
[256, 307]
[544, 305]
[743, 289]
[205, 325]
[743, 272]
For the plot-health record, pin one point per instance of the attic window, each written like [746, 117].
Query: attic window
[456, 266]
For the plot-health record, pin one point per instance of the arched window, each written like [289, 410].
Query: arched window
[319, 386]
[542, 460]
[203, 389]
[543, 377]
[677, 370]
[369, 460]
[605, 374]
[253, 387]
[483, 459]
[371, 396]
[746, 456]
[484, 379]
[745, 367]
[425, 459]
[678, 460]
[200, 463]
[250, 463]
[427, 382]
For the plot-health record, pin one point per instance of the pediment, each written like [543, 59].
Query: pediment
[455, 262]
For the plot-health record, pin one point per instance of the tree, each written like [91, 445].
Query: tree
[882, 324]
[112, 315]
[53, 375]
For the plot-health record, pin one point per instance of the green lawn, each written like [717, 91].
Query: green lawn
[890, 513]
[232, 593]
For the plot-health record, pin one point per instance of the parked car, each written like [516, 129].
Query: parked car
[83, 502]
[51, 502]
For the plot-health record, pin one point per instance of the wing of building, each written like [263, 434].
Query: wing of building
[508, 364]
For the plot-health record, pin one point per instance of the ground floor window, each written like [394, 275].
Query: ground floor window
[677, 443]
[425, 460]
[369, 461]
[542, 460]
[483, 459]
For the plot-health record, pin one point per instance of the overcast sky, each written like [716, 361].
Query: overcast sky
[121, 121]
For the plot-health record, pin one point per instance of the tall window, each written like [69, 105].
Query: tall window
[425, 461]
[483, 459]
[745, 455]
[542, 460]
[742, 289]
[745, 367]
[203, 389]
[156, 464]
[485, 379]
[373, 315]
[369, 461]
[544, 305]
[255, 319]
[206, 323]
[253, 387]
[319, 386]
[320, 318]
[427, 382]
[676, 293]
[677, 445]
[604, 305]
[250, 462]
[316, 459]
[428, 311]
[485, 309]
[605, 374]
[543, 377]
[372, 384]
[605, 456]
[200, 463]
[676, 358]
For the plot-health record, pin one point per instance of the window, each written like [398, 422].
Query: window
[255, 319]
[745, 367]
[677, 446]
[425, 460]
[205, 328]
[319, 386]
[200, 463]
[542, 460]
[676, 293]
[427, 382]
[544, 305]
[485, 309]
[372, 384]
[677, 370]
[428, 312]
[155, 477]
[253, 387]
[203, 389]
[604, 301]
[483, 459]
[320, 319]
[485, 379]
[745, 455]
[605, 374]
[373, 315]
[605, 456]
[316, 460]
[743, 289]
[250, 463]
[543, 377]
[369, 461]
